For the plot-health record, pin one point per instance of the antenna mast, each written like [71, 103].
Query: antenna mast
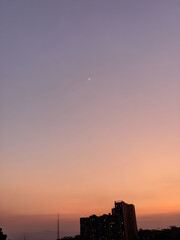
[58, 228]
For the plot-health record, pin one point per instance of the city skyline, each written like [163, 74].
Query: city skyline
[90, 111]
[47, 228]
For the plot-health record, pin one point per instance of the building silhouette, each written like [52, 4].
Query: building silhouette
[119, 225]
[171, 233]
[2, 235]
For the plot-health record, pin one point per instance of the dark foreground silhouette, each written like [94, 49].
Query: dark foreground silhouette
[172, 233]
[2, 236]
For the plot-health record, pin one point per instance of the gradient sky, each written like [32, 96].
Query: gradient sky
[75, 145]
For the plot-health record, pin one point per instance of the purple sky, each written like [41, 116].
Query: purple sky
[72, 145]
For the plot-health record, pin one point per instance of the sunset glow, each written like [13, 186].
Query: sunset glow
[90, 110]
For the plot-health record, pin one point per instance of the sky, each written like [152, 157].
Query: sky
[90, 109]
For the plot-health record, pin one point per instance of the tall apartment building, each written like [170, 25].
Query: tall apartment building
[119, 225]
